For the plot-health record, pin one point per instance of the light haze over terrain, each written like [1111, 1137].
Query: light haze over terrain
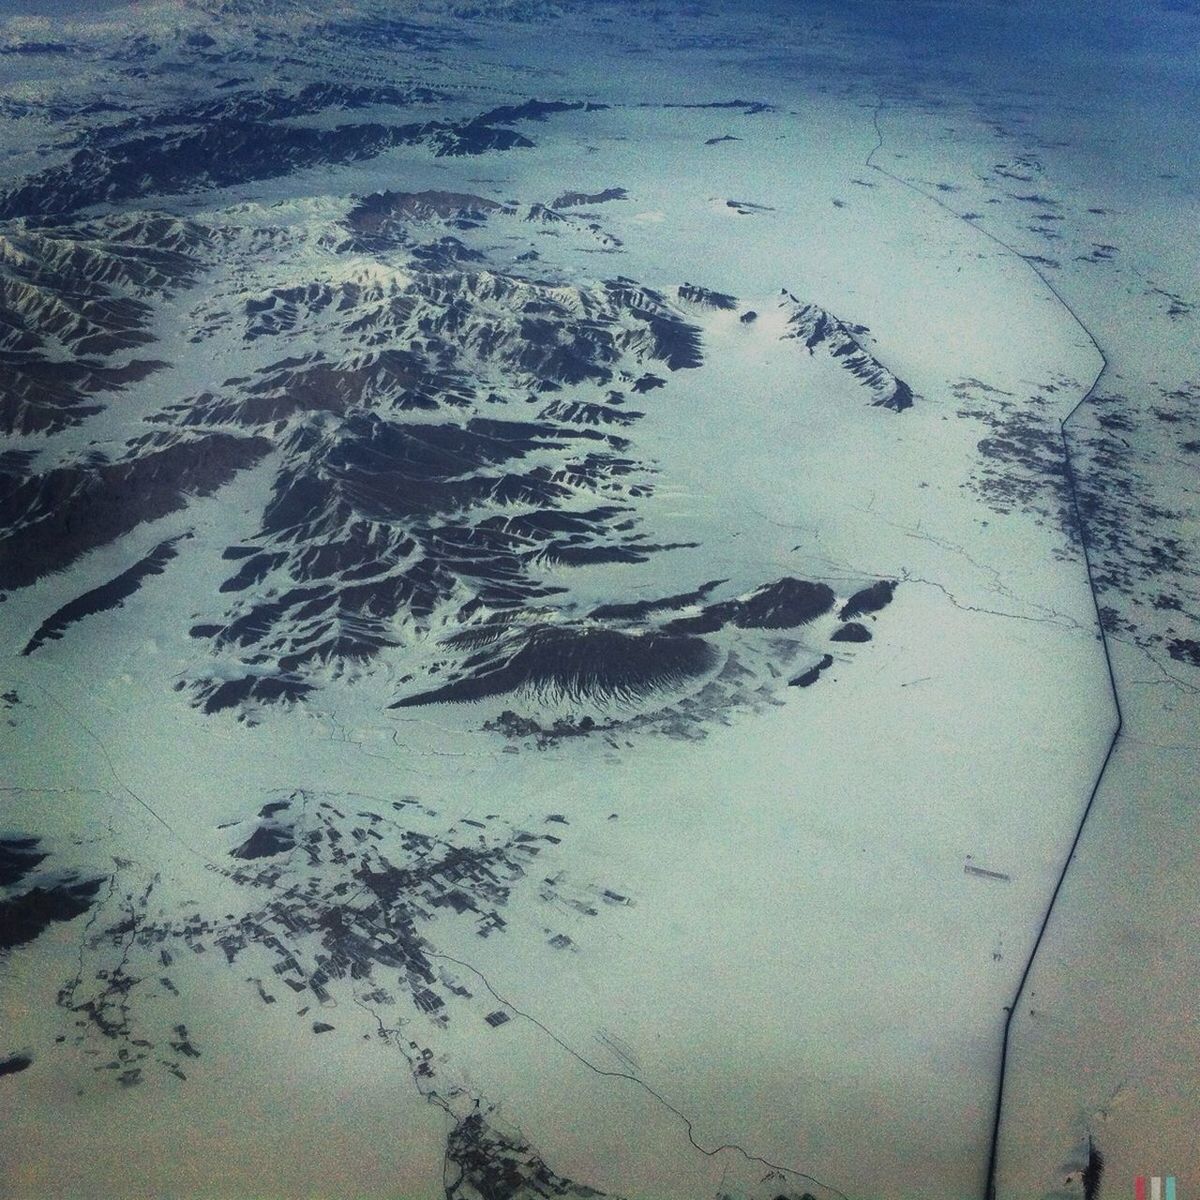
[599, 599]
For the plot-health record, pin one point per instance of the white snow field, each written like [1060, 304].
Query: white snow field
[725, 937]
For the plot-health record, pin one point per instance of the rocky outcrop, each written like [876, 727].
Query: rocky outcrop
[819, 329]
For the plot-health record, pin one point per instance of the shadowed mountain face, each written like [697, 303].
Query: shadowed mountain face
[444, 440]
[51, 518]
[76, 310]
[107, 595]
[420, 471]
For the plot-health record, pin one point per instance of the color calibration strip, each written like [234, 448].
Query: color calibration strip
[1160, 1188]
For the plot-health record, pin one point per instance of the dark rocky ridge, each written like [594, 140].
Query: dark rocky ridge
[598, 665]
[33, 896]
[384, 214]
[852, 631]
[809, 677]
[50, 519]
[247, 137]
[817, 328]
[635, 610]
[87, 290]
[869, 600]
[26, 916]
[107, 596]
[705, 297]
[575, 199]
[785, 604]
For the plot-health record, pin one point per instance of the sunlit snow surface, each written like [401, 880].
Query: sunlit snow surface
[549, 648]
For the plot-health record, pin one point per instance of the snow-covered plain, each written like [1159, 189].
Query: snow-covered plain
[785, 921]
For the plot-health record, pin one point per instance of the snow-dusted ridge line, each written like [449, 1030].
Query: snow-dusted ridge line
[1072, 484]
[816, 326]
[516, 331]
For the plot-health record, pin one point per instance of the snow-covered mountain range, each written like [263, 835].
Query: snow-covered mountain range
[590, 595]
